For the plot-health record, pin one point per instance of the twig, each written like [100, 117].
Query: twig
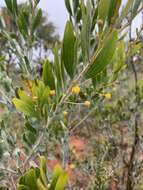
[13, 182]
[33, 150]
[128, 24]
[74, 103]
[6, 170]
[81, 121]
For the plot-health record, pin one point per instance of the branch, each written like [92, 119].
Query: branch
[6, 170]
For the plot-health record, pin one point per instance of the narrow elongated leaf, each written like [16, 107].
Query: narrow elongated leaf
[47, 75]
[94, 19]
[23, 107]
[68, 6]
[58, 68]
[15, 7]
[105, 55]
[29, 138]
[113, 10]
[118, 61]
[40, 185]
[68, 49]
[27, 99]
[136, 5]
[29, 127]
[57, 172]
[22, 24]
[75, 6]
[62, 181]
[101, 78]
[85, 32]
[43, 170]
[9, 5]
[103, 9]
[37, 20]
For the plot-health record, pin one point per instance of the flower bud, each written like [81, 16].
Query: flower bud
[65, 113]
[52, 92]
[108, 96]
[87, 103]
[75, 90]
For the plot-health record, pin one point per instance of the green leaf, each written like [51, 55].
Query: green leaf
[62, 181]
[43, 169]
[101, 78]
[103, 9]
[29, 137]
[30, 179]
[75, 6]
[85, 32]
[27, 63]
[22, 23]
[68, 49]
[57, 172]
[113, 11]
[24, 97]
[37, 20]
[9, 5]
[23, 187]
[58, 69]
[118, 61]
[40, 185]
[135, 7]
[47, 75]
[94, 19]
[105, 55]
[23, 107]
[29, 127]
[68, 6]
[15, 8]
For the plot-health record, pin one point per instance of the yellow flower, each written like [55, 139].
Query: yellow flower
[75, 90]
[34, 97]
[52, 92]
[65, 113]
[72, 166]
[49, 185]
[108, 96]
[87, 103]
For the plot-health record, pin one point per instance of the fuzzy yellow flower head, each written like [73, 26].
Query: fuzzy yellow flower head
[72, 166]
[75, 90]
[87, 103]
[65, 113]
[108, 96]
[34, 97]
[52, 92]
